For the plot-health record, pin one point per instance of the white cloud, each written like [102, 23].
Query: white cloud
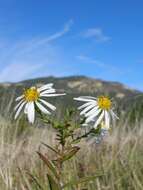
[38, 42]
[89, 60]
[97, 34]
[106, 67]
[27, 59]
[18, 71]
[59, 34]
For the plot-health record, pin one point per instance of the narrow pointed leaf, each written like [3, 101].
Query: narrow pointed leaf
[52, 183]
[49, 164]
[51, 148]
[71, 153]
[36, 181]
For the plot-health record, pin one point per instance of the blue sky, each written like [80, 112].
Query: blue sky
[97, 38]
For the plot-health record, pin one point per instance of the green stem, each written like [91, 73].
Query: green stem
[84, 136]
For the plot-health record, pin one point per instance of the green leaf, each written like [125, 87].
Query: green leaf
[70, 153]
[76, 141]
[36, 181]
[51, 148]
[49, 164]
[52, 183]
[81, 180]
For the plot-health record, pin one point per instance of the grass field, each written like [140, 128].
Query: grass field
[117, 161]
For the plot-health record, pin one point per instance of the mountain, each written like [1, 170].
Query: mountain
[75, 86]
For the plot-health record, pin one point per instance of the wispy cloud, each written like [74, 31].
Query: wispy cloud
[107, 67]
[27, 59]
[87, 59]
[59, 34]
[17, 71]
[38, 42]
[97, 34]
[31, 44]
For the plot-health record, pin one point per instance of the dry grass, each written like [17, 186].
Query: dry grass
[119, 158]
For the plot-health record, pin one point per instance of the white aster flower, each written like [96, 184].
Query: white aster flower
[98, 110]
[33, 97]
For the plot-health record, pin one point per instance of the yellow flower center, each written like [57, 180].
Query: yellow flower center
[31, 94]
[104, 102]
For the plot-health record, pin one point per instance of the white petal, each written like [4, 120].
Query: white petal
[92, 111]
[19, 110]
[44, 87]
[107, 120]
[84, 99]
[31, 112]
[15, 108]
[87, 109]
[85, 105]
[42, 108]
[90, 118]
[19, 98]
[99, 119]
[51, 95]
[48, 91]
[88, 97]
[48, 104]
[25, 109]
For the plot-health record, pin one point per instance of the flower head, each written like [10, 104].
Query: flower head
[104, 102]
[33, 97]
[98, 110]
[31, 94]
